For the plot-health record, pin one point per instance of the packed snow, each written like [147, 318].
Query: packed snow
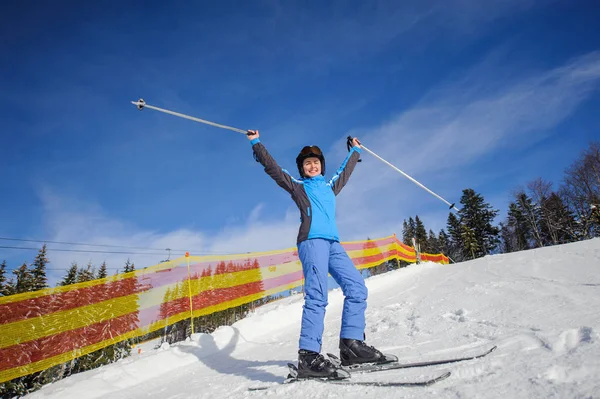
[540, 307]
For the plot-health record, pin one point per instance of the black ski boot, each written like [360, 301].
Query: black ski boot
[314, 365]
[353, 351]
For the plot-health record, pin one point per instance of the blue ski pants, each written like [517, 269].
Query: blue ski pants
[320, 257]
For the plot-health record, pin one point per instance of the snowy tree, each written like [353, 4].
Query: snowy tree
[71, 277]
[7, 286]
[102, 271]
[432, 243]
[478, 216]
[558, 222]
[517, 232]
[24, 281]
[471, 246]
[455, 245]
[421, 234]
[507, 242]
[129, 267]
[444, 242]
[408, 231]
[531, 214]
[86, 274]
[38, 272]
[581, 191]
[3, 278]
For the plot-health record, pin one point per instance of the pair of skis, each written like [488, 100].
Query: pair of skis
[369, 367]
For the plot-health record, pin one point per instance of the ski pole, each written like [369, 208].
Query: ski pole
[141, 104]
[407, 176]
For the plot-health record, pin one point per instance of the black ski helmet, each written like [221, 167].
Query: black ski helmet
[308, 152]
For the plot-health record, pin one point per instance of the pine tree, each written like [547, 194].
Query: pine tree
[470, 243]
[10, 287]
[558, 225]
[38, 272]
[71, 277]
[129, 267]
[86, 274]
[507, 241]
[455, 245]
[517, 232]
[444, 242]
[478, 216]
[421, 234]
[581, 191]
[24, 281]
[531, 214]
[405, 232]
[3, 278]
[408, 231]
[432, 243]
[102, 272]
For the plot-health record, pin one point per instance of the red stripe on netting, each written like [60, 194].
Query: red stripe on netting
[380, 257]
[432, 258]
[367, 244]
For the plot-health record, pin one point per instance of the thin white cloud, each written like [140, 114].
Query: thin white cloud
[518, 114]
[453, 128]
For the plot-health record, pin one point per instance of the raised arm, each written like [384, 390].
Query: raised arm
[339, 180]
[281, 176]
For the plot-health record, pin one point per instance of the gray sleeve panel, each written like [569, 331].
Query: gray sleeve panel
[339, 180]
[283, 179]
[304, 206]
[290, 184]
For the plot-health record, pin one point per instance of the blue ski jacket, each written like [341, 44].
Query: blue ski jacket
[314, 196]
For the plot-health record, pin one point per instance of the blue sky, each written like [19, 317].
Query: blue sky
[458, 94]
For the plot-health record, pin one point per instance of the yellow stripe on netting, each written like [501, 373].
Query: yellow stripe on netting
[363, 253]
[243, 256]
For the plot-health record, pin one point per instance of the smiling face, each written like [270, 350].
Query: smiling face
[312, 167]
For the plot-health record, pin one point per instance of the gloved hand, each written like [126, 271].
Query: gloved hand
[252, 134]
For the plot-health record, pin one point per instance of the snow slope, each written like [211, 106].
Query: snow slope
[540, 307]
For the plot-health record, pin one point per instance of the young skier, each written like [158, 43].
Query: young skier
[320, 252]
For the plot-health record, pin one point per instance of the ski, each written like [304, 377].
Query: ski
[371, 367]
[391, 364]
[346, 381]
[422, 383]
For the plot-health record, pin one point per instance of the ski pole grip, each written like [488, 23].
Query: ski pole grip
[349, 144]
